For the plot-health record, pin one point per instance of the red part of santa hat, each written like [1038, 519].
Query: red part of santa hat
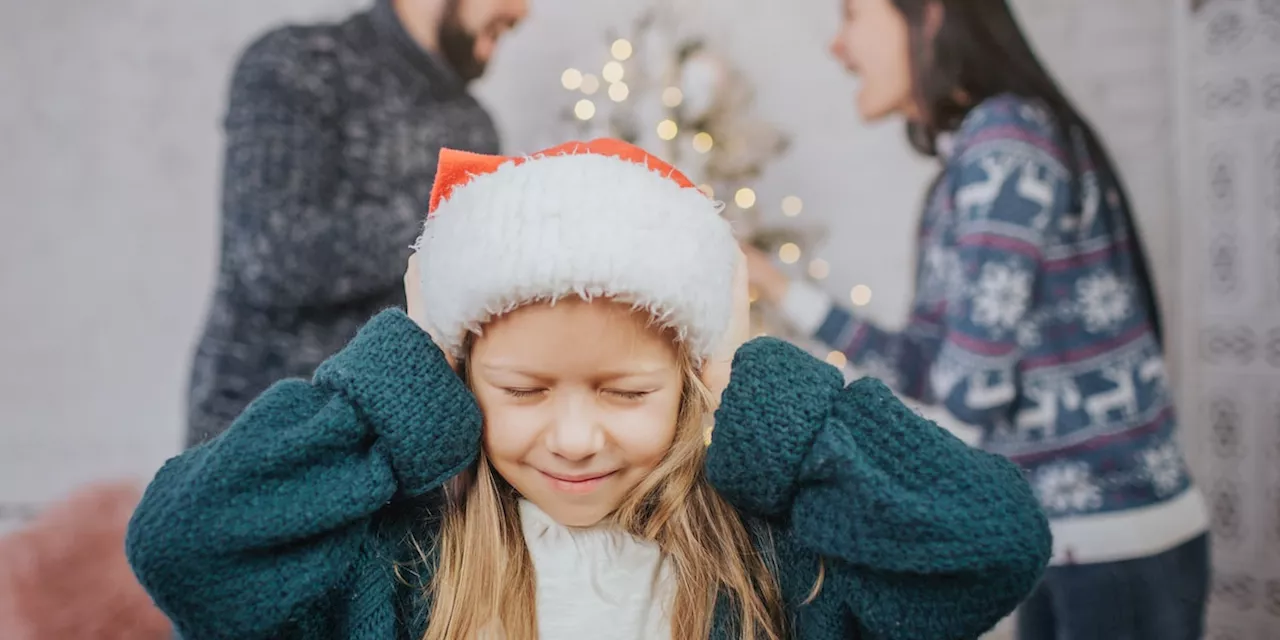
[594, 219]
[456, 168]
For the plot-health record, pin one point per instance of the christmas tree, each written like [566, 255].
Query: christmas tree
[671, 93]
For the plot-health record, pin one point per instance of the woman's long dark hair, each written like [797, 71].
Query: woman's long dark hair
[978, 51]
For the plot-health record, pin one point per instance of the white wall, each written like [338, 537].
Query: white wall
[109, 179]
[109, 117]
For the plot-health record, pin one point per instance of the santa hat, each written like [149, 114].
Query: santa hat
[601, 219]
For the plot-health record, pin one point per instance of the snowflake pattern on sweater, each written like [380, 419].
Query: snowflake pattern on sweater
[1029, 320]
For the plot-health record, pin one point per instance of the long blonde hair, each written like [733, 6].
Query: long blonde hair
[483, 580]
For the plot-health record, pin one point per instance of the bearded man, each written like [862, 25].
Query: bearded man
[332, 135]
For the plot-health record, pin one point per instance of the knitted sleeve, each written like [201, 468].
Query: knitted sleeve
[290, 235]
[1008, 189]
[920, 535]
[257, 533]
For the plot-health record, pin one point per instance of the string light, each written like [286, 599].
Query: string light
[791, 206]
[612, 71]
[620, 49]
[837, 359]
[667, 129]
[702, 142]
[789, 253]
[860, 295]
[819, 269]
[571, 79]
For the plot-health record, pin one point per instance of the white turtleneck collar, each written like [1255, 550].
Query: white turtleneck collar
[945, 143]
[597, 583]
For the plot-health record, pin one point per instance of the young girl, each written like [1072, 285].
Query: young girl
[1034, 318]
[525, 452]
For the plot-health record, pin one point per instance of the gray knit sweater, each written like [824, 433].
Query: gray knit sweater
[332, 136]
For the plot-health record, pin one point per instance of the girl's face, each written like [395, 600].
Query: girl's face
[580, 402]
[873, 43]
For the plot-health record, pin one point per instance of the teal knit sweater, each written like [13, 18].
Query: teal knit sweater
[291, 524]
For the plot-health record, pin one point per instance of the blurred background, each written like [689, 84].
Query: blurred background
[109, 189]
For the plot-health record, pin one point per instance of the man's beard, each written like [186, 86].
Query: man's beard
[458, 46]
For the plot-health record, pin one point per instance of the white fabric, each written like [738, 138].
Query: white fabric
[596, 583]
[585, 225]
[945, 143]
[1126, 535]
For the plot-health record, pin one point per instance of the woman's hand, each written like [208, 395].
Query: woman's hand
[716, 369]
[765, 278]
[415, 306]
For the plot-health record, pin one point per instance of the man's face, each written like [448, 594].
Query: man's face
[470, 29]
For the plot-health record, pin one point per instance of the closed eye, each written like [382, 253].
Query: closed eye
[522, 393]
[627, 395]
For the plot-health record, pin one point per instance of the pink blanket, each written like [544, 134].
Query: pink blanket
[65, 576]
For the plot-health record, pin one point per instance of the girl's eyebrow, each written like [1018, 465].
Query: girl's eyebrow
[512, 369]
[637, 371]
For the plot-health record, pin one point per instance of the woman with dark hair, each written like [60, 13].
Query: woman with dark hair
[1034, 315]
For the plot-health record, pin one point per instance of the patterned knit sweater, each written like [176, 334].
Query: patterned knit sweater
[290, 524]
[1030, 321]
[332, 134]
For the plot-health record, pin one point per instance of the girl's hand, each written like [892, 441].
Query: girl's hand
[716, 369]
[764, 277]
[414, 305]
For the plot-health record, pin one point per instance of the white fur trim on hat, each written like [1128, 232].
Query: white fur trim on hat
[588, 225]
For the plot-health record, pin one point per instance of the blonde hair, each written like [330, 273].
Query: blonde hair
[483, 580]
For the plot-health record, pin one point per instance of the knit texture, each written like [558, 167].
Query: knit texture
[332, 135]
[290, 523]
[920, 536]
[1032, 318]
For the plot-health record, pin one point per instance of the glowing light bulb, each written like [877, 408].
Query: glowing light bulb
[789, 253]
[672, 97]
[619, 91]
[860, 295]
[753, 294]
[612, 71]
[667, 129]
[620, 49]
[585, 109]
[702, 142]
[819, 269]
[745, 198]
[791, 206]
[590, 84]
[571, 79]
[837, 359]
